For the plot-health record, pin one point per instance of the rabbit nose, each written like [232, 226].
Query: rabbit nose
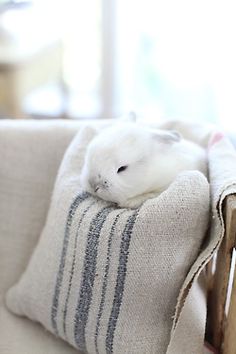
[94, 185]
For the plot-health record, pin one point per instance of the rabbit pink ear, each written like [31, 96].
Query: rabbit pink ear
[215, 137]
[166, 136]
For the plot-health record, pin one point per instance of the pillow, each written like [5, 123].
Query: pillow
[107, 279]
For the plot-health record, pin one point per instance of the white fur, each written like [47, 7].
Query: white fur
[154, 159]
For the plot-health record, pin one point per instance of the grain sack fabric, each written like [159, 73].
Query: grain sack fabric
[107, 279]
[187, 335]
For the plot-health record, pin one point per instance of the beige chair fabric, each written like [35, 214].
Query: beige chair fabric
[22, 336]
[30, 154]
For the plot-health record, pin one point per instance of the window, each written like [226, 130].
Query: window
[169, 59]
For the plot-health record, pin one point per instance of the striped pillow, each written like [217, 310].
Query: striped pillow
[107, 279]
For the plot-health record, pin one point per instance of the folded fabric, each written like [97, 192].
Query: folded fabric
[187, 335]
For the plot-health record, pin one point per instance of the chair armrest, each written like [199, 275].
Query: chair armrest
[218, 294]
[229, 325]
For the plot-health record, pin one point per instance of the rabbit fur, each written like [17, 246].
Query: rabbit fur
[128, 163]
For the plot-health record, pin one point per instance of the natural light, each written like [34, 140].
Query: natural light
[165, 59]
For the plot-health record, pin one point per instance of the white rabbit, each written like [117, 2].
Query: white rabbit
[129, 163]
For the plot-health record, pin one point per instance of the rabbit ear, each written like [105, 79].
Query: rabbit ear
[87, 133]
[166, 136]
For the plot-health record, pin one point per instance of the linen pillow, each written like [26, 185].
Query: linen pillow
[107, 279]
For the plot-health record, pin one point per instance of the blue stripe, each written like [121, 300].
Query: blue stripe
[104, 285]
[88, 276]
[120, 281]
[55, 302]
[73, 267]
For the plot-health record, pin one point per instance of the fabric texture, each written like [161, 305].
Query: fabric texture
[21, 336]
[106, 279]
[222, 175]
[30, 155]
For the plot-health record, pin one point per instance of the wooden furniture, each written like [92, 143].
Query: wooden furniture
[222, 323]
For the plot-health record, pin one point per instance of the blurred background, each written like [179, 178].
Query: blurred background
[103, 58]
